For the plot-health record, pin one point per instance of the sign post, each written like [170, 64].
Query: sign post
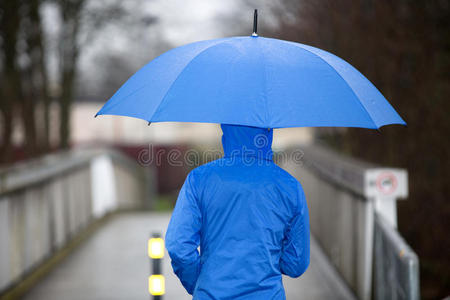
[385, 186]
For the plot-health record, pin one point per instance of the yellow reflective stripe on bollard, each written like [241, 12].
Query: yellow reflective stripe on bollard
[156, 248]
[156, 285]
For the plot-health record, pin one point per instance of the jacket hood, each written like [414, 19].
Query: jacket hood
[238, 140]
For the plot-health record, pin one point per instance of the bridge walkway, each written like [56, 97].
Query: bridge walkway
[113, 264]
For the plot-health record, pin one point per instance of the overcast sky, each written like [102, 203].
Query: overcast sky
[178, 22]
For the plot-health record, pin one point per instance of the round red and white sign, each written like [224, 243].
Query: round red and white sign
[387, 183]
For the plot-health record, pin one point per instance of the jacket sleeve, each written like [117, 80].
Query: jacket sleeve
[295, 249]
[183, 236]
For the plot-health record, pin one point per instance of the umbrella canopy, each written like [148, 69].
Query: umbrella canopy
[252, 81]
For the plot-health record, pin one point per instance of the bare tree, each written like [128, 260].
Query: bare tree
[10, 83]
[24, 69]
[34, 80]
[71, 11]
[38, 72]
[80, 24]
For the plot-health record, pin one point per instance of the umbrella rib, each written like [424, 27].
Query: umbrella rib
[265, 95]
[179, 74]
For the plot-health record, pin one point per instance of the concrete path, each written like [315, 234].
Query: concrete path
[113, 264]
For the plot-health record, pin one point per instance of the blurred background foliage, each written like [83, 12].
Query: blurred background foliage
[42, 42]
[402, 46]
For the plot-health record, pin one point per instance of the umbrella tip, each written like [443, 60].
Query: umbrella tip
[149, 123]
[255, 23]
[96, 115]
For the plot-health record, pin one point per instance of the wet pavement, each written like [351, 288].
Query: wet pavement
[113, 264]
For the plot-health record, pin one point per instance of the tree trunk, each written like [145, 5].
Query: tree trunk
[39, 73]
[10, 83]
[71, 14]
[65, 106]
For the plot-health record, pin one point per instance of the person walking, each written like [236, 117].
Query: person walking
[248, 216]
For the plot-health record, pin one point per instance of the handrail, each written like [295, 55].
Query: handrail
[32, 172]
[342, 170]
[344, 196]
[355, 175]
[46, 202]
[394, 258]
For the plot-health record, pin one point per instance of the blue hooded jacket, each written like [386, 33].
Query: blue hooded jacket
[249, 218]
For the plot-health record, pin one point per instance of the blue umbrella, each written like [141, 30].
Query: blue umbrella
[253, 81]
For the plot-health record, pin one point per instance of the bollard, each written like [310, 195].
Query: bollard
[156, 284]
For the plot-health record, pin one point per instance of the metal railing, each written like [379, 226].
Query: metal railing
[44, 203]
[396, 266]
[345, 198]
